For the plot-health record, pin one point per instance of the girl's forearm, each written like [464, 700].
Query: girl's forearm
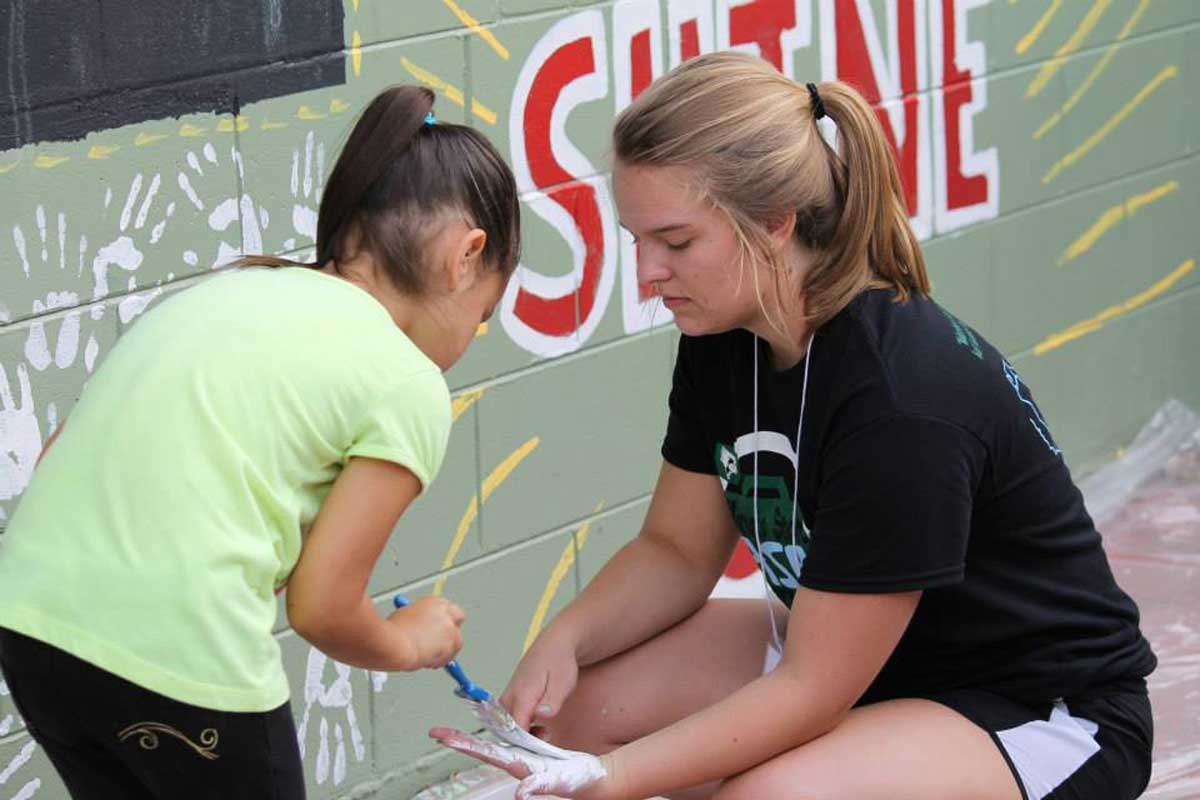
[361, 638]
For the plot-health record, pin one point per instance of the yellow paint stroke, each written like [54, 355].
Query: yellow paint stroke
[483, 33]
[1051, 67]
[9, 167]
[100, 151]
[1101, 65]
[483, 112]
[481, 330]
[1111, 217]
[459, 404]
[337, 106]
[148, 138]
[226, 125]
[1026, 41]
[304, 112]
[493, 480]
[453, 93]
[1079, 152]
[356, 53]
[187, 129]
[573, 546]
[49, 162]
[1112, 312]
[267, 125]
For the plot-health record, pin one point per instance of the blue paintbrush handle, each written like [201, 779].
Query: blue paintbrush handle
[466, 687]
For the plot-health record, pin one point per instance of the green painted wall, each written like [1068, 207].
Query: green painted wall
[1057, 184]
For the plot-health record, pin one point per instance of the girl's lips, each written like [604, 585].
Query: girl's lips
[673, 302]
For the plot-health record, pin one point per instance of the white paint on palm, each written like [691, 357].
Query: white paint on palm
[547, 776]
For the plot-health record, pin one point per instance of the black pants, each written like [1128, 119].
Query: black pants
[109, 738]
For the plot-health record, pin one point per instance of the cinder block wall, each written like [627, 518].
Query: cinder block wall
[1049, 150]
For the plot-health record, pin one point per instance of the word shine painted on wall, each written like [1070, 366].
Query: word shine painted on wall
[916, 66]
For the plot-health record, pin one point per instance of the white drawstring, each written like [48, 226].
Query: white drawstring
[796, 481]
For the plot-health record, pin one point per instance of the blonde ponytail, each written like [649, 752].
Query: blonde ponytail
[872, 243]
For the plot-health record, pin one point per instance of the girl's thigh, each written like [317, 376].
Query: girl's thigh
[898, 750]
[690, 666]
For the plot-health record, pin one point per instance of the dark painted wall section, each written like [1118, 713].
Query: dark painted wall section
[70, 67]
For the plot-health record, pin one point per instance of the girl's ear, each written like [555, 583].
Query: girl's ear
[781, 227]
[467, 259]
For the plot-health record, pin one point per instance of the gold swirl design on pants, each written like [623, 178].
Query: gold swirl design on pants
[148, 738]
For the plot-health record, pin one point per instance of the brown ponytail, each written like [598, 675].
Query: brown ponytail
[396, 176]
[752, 138]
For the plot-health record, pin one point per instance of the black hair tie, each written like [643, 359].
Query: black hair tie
[817, 106]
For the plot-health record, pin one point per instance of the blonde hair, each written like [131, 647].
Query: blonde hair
[750, 136]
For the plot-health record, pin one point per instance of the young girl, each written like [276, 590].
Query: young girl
[952, 628]
[265, 428]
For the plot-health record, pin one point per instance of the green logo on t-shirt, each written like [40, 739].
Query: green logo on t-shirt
[964, 335]
[779, 560]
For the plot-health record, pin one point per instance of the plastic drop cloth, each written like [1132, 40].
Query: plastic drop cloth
[1147, 506]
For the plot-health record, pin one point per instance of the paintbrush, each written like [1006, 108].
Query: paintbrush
[488, 710]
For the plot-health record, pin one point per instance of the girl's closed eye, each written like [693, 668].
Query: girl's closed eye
[679, 246]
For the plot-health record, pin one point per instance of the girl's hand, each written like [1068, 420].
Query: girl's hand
[582, 776]
[542, 681]
[432, 625]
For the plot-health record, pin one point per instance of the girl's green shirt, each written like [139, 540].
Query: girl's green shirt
[157, 530]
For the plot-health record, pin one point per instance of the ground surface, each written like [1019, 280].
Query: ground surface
[1153, 543]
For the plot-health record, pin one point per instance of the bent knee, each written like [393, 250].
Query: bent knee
[582, 725]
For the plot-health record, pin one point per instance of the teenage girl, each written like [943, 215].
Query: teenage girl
[265, 428]
[947, 624]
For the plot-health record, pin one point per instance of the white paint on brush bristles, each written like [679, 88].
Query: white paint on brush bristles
[499, 722]
[546, 775]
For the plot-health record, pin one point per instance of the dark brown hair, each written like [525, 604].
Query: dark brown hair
[750, 135]
[396, 177]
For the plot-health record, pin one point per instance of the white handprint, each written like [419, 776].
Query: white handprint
[19, 240]
[306, 192]
[20, 435]
[135, 303]
[37, 347]
[19, 760]
[337, 697]
[122, 251]
[226, 211]
[9, 723]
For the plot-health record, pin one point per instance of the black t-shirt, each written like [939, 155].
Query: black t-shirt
[924, 464]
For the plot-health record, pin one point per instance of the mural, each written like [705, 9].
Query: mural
[71, 69]
[1048, 151]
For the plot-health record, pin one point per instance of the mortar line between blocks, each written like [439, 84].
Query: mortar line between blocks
[515, 547]
[1170, 297]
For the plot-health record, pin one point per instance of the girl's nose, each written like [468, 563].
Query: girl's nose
[650, 267]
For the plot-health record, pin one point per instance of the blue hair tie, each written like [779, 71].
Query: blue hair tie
[430, 119]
